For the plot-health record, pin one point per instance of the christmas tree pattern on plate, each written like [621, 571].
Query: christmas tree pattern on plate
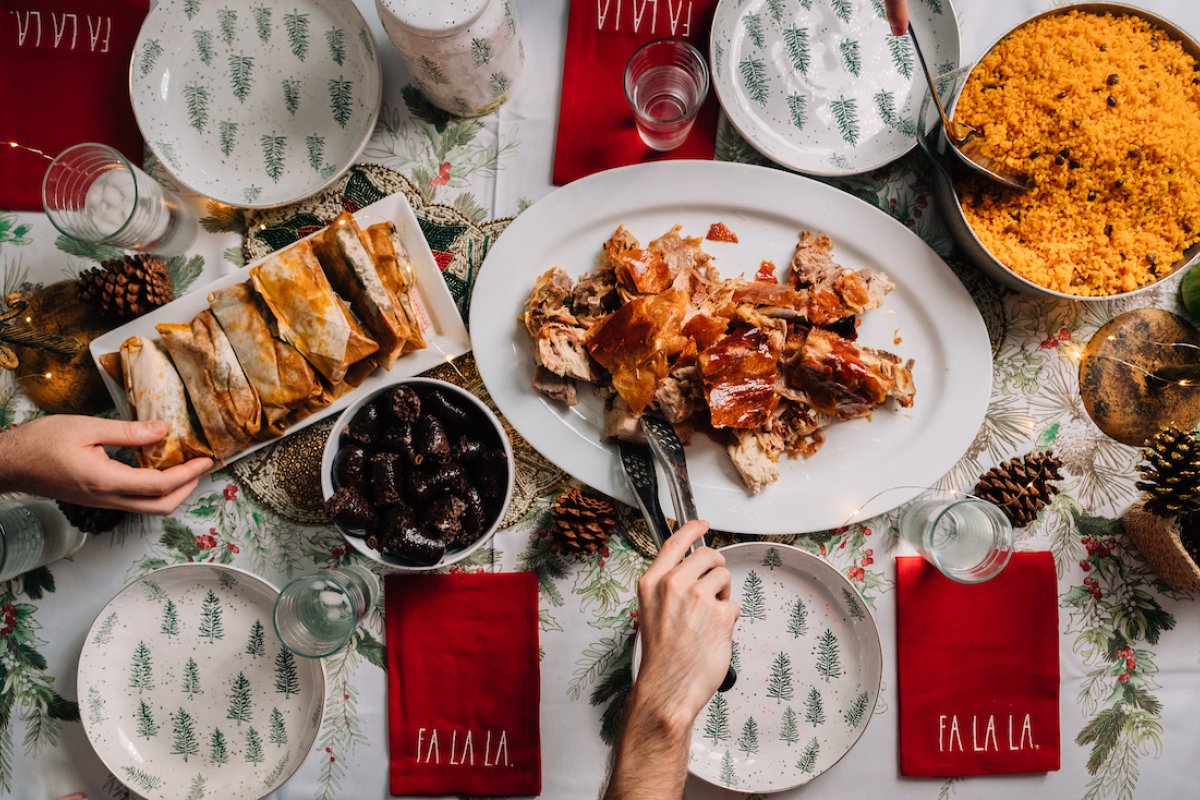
[181, 678]
[822, 87]
[262, 84]
[809, 664]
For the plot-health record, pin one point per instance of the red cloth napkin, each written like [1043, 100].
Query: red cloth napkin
[978, 669]
[464, 684]
[595, 124]
[65, 65]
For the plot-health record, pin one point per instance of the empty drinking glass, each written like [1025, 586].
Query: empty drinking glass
[92, 193]
[968, 539]
[316, 614]
[666, 81]
[33, 533]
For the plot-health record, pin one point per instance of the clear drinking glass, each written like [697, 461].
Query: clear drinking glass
[968, 539]
[316, 614]
[666, 81]
[92, 193]
[33, 533]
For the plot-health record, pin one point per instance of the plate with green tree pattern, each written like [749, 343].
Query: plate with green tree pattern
[255, 105]
[821, 86]
[809, 664]
[186, 692]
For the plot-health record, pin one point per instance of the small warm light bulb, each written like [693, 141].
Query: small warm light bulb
[13, 144]
[48, 376]
[29, 319]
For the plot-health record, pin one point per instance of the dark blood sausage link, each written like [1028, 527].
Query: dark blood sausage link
[387, 479]
[405, 539]
[402, 439]
[431, 480]
[449, 411]
[446, 517]
[432, 441]
[405, 404]
[365, 427]
[351, 508]
[468, 448]
[474, 519]
[351, 470]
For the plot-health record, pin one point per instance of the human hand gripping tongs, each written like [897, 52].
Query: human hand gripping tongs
[638, 462]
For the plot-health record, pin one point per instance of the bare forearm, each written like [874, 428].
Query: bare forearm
[651, 757]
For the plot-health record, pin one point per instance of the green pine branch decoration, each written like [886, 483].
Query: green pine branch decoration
[718, 56]
[857, 711]
[807, 4]
[336, 39]
[191, 7]
[196, 790]
[274, 775]
[777, 10]
[262, 22]
[754, 78]
[728, 776]
[196, 97]
[227, 22]
[315, 145]
[795, 41]
[273, 152]
[142, 780]
[296, 27]
[251, 193]
[787, 729]
[880, 9]
[184, 271]
[241, 68]
[228, 136]
[482, 51]
[151, 50]
[850, 57]
[291, 94]
[339, 100]
[754, 29]
[509, 19]
[167, 149]
[499, 83]
[935, 5]
[853, 605]
[203, 38]
[798, 110]
[902, 54]
[885, 104]
[748, 741]
[808, 759]
[368, 45]
[845, 114]
[842, 8]
[432, 70]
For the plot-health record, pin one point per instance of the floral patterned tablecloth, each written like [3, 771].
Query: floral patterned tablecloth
[1130, 660]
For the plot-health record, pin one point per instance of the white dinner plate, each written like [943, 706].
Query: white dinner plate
[809, 664]
[930, 317]
[823, 87]
[447, 336]
[255, 104]
[185, 690]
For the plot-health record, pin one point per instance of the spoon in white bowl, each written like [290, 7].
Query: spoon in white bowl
[966, 146]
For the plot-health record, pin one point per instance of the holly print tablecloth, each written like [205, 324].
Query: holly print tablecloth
[1129, 655]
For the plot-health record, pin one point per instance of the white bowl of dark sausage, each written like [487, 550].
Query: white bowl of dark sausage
[417, 475]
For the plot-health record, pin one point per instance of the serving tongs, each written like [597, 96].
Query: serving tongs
[638, 464]
[963, 139]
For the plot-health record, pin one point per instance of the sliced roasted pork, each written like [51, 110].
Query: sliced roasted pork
[739, 374]
[635, 342]
[844, 380]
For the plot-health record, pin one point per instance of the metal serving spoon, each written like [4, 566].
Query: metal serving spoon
[966, 146]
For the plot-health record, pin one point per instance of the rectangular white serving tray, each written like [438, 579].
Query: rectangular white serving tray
[447, 336]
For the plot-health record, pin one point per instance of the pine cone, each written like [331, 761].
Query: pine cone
[1020, 486]
[127, 287]
[91, 520]
[583, 521]
[1170, 472]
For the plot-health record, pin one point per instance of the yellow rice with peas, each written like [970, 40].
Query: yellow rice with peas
[1103, 114]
